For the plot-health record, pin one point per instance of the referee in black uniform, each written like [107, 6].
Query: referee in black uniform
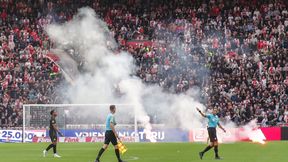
[53, 130]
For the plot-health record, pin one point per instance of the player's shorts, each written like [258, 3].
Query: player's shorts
[110, 137]
[53, 135]
[212, 134]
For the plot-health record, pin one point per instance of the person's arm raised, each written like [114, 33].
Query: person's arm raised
[202, 114]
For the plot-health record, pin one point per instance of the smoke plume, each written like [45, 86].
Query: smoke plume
[110, 77]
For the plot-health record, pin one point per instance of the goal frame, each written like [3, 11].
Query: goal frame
[69, 105]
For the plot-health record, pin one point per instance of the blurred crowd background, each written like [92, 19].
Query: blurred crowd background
[234, 51]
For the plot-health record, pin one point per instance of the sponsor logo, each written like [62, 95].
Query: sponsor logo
[158, 135]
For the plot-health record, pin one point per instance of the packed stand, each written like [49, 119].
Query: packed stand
[27, 75]
[234, 51]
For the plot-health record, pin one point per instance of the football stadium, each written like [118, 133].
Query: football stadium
[143, 80]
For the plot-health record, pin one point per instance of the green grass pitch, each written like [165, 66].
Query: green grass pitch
[147, 152]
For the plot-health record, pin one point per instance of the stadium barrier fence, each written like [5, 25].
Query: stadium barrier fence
[161, 135]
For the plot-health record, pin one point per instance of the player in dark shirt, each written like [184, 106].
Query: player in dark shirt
[53, 130]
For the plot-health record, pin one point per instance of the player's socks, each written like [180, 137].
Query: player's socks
[216, 151]
[49, 147]
[54, 149]
[118, 154]
[100, 154]
[201, 154]
[206, 149]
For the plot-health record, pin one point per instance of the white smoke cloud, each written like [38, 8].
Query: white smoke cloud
[110, 71]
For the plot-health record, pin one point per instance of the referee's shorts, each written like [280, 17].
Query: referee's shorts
[212, 134]
[110, 137]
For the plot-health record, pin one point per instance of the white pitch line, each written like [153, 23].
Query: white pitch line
[132, 158]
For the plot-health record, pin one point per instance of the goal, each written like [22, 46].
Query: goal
[78, 120]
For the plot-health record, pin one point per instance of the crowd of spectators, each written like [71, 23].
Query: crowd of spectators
[234, 51]
[27, 75]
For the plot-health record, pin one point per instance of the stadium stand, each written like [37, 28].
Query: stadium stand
[235, 51]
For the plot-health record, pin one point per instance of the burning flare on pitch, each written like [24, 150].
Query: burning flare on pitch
[254, 133]
[257, 136]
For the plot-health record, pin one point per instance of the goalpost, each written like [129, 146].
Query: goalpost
[77, 117]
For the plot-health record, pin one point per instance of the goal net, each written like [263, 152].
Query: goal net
[78, 122]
